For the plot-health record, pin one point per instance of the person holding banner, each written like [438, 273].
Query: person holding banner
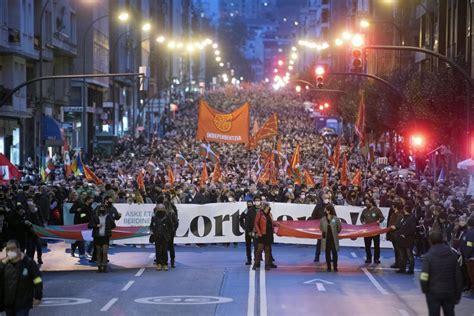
[247, 222]
[102, 224]
[318, 213]
[330, 226]
[161, 229]
[264, 229]
[404, 237]
[372, 214]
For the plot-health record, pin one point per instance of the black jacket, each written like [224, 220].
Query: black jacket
[109, 225]
[405, 234]
[20, 283]
[467, 244]
[161, 226]
[318, 211]
[44, 206]
[441, 274]
[247, 219]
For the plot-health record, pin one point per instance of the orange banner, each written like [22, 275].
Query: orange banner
[214, 126]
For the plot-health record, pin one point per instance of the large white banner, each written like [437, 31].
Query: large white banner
[219, 222]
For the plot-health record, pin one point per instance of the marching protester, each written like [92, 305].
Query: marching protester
[82, 213]
[21, 286]
[318, 214]
[33, 242]
[102, 224]
[395, 215]
[330, 226]
[372, 214]
[161, 229]
[404, 236]
[247, 223]
[264, 230]
[467, 250]
[172, 213]
[440, 278]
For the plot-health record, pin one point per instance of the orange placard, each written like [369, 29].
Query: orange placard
[214, 126]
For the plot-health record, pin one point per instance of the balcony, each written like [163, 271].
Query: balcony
[14, 36]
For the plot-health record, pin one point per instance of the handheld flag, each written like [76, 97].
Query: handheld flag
[217, 174]
[170, 174]
[325, 179]
[204, 175]
[67, 164]
[344, 179]
[360, 123]
[269, 129]
[336, 155]
[206, 151]
[308, 179]
[141, 180]
[89, 175]
[357, 179]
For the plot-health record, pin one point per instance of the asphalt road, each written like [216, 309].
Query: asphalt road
[213, 280]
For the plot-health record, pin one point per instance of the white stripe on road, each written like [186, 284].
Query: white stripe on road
[151, 255]
[128, 285]
[374, 282]
[354, 255]
[320, 287]
[109, 305]
[251, 298]
[263, 293]
[140, 272]
[403, 312]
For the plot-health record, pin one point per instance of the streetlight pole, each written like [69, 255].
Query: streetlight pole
[84, 86]
[43, 10]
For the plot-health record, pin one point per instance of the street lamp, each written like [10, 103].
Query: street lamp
[364, 24]
[123, 17]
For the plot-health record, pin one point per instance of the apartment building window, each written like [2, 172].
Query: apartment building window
[325, 16]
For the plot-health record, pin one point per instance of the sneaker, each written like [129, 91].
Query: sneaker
[99, 269]
[273, 266]
[377, 261]
[316, 260]
[165, 267]
[255, 267]
[158, 267]
[368, 261]
[40, 261]
[267, 268]
[173, 264]
[104, 269]
[248, 263]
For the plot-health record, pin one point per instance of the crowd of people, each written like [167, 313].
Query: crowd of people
[434, 204]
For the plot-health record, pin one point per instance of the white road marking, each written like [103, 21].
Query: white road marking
[152, 255]
[263, 293]
[403, 312]
[128, 285]
[318, 280]
[109, 304]
[251, 297]
[354, 255]
[374, 282]
[320, 287]
[140, 272]
[389, 269]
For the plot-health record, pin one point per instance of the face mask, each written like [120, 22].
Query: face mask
[426, 203]
[339, 197]
[290, 190]
[325, 201]
[258, 203]
[303, 196]
[462, 224]
[12, 255]
[231, 199]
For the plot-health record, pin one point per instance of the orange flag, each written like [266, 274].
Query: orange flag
[325, 179]
[357, 179]
[204, 175]
[91, 176]
[214, 126]
[268, 129]
[295, 160]
[255, 127]
[141, 180]
[360, 123]
[336, 154]
[170, 174]
[308, 179]
[217, 174]
[344, 179]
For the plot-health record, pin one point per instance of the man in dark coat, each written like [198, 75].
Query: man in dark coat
[372, 214]
[318, 213]
[404, 237]
[441, 279]
[247, 222]
[21, 286]
[44, 204]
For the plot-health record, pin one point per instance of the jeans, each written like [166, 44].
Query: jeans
[406, 254]
[249, 240]
[258, 254]
[161, 251]
[331, 249]
[368, 245]
[318, 249]
[436, 302]
[171, 249]
[34, 245]
[20, 312]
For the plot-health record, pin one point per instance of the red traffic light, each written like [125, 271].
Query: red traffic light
[356, 58]
[417, 141]
[326, 105]
[321, 107]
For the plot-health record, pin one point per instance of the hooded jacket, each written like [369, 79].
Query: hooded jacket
[441, 274]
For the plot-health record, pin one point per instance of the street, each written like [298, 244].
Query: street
[213, 280]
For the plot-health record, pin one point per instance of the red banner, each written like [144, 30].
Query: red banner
[310, 229]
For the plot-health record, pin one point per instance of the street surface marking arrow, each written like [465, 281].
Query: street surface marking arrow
[318, 281]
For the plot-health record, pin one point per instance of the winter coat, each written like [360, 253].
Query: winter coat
[372, 215]
[405, 233]
[81, 212]
[247, 219]
[161, 227]
[109, 225]
[336, 228]
[261, 223]
[394, 219]
[441, 274]
[467, 244]
[20, 283]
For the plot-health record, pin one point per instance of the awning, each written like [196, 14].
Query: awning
[51, 132]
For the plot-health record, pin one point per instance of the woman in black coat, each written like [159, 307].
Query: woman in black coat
[102, 224]
[404, 236]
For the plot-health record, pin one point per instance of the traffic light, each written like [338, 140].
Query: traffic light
[319, 76]
[356, 59]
